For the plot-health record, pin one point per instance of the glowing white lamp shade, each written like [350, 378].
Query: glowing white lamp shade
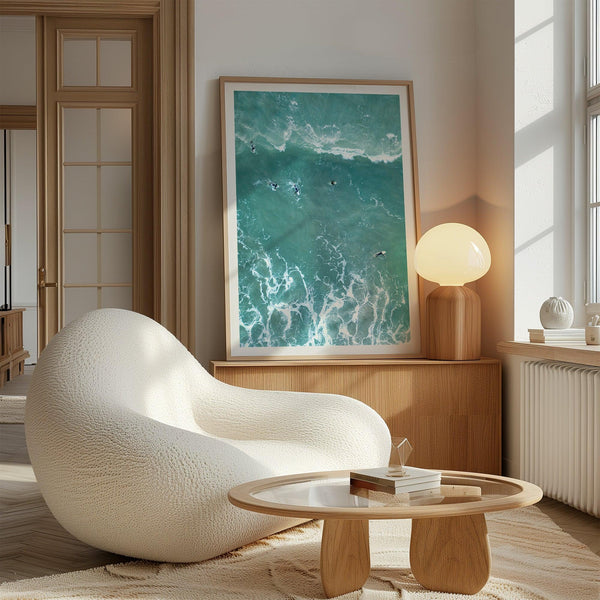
[452, 254]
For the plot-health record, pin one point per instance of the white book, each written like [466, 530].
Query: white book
[417, 486]
[571, 332]
[556, 335]
[414, 477]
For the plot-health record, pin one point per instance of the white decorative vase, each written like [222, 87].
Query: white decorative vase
[556, 313]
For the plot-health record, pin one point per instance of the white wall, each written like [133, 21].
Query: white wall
[549, 158]
[17, 60]
[549, 212]
[431, 42]
[495, 166]
[529, 61]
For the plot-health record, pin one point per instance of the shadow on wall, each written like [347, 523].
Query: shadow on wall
[210, 288]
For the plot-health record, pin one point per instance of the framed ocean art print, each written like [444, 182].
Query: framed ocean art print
[321, 218]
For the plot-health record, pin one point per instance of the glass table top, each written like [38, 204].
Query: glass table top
[329, 495]
[336, 492]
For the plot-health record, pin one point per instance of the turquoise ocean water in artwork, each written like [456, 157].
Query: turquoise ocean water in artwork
[320, 210]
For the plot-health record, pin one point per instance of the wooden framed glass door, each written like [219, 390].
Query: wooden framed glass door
[100, 203]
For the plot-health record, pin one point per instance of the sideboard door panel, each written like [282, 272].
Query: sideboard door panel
[449, 410]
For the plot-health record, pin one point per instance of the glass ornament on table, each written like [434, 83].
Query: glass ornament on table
[399, 454]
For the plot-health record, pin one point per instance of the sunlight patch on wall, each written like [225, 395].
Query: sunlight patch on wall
[535, 181]
[534, 75]
[534, 281]
[529, 15]
[535, 235]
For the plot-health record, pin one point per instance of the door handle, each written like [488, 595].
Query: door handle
[42, 283]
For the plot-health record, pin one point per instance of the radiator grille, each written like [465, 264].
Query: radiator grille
[560, 432]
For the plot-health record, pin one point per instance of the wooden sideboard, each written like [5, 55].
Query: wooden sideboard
[449, 410]
[12, 354]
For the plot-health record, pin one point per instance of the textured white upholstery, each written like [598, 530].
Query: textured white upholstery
[135, 445]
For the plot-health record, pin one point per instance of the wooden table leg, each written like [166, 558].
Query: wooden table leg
[450, 554]
[345, 557]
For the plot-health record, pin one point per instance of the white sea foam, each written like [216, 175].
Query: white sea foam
[327, 141]
[344, 305]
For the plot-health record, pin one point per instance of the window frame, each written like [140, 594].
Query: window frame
[592, 141]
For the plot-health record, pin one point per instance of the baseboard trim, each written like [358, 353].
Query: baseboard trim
[12, 409]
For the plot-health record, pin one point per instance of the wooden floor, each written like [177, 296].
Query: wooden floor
[33, 544]
[12, 397]
[19, 385]
[581, 526]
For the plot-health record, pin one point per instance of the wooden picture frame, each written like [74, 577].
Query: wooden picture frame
[321, 218]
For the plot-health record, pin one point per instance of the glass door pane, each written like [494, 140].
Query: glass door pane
[79, 62]
[115, 62]
[97, 232]
[96, 58]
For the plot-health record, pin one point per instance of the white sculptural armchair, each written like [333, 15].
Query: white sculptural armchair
[135, 445]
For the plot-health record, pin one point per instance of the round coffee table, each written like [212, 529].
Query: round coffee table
[449, 548]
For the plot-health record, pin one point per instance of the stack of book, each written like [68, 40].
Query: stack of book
[539, 336]
[378, 480]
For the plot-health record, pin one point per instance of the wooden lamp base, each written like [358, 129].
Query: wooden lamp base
[453, 324]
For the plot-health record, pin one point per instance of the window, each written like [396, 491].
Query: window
[593, 143]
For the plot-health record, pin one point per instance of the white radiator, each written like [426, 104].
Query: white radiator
[560, 432]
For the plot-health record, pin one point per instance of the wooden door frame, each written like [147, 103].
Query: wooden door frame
[13, 116]
[173, 38]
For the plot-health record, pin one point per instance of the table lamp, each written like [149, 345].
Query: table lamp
[453, 254]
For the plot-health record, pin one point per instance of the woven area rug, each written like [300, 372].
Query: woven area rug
[532, 559]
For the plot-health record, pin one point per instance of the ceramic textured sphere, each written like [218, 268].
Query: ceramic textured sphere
[556, 313]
